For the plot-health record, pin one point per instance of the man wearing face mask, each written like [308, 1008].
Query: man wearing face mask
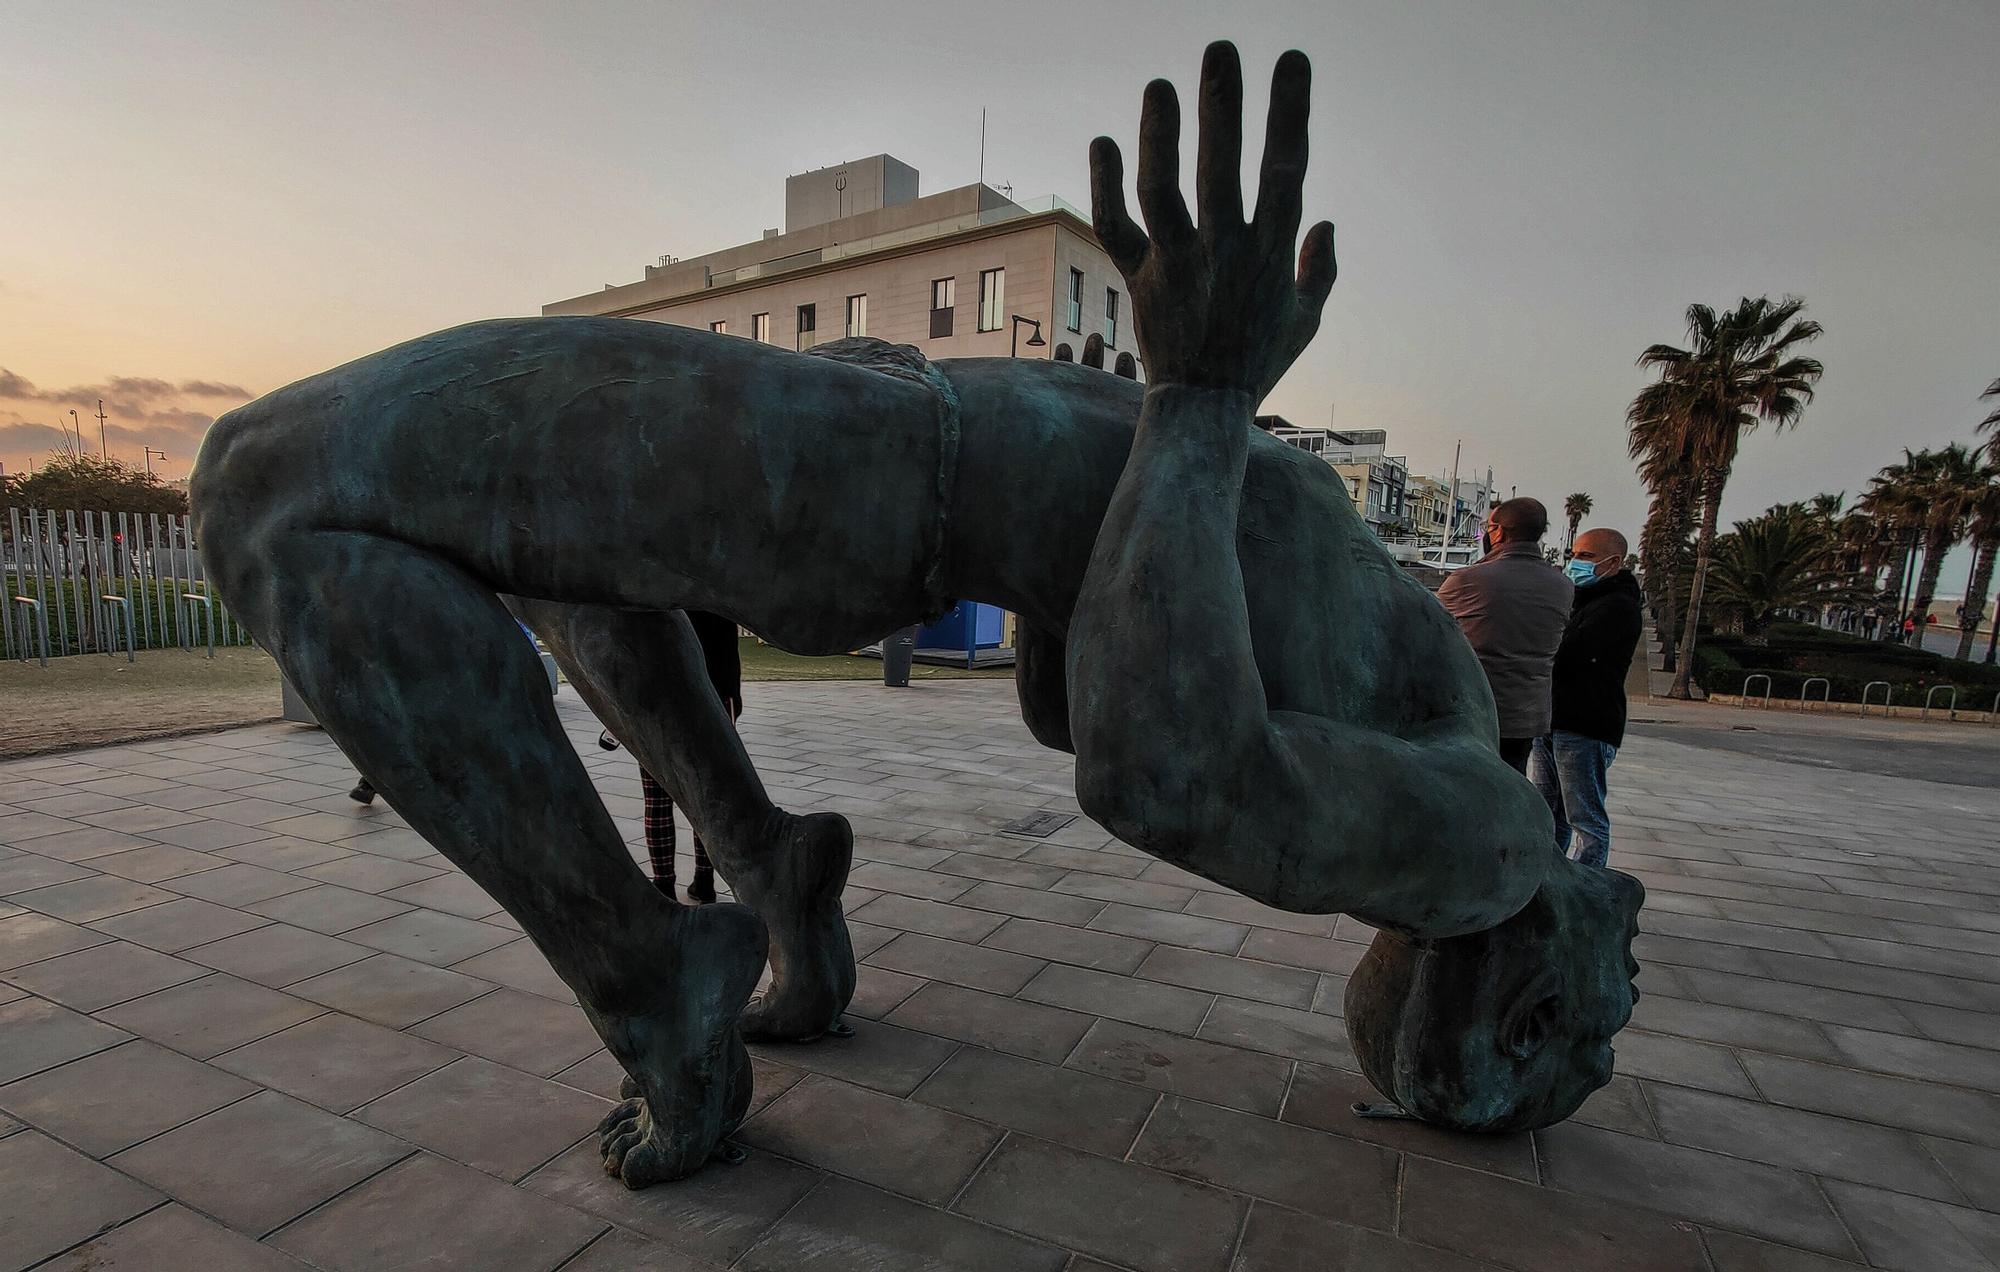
[1511, 606]
[1569, 764]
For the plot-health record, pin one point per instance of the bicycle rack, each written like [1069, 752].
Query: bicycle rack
[1888, 695]
[41, 625]
[1743, 699]
[105, 602]
[1993, 714]
[1951, 708]
[207, 604]
[1826, 693]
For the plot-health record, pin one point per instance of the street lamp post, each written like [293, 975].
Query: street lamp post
[1035, 340]
[150, 452]
[79, 429]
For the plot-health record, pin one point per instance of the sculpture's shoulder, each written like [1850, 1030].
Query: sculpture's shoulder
[905, 362]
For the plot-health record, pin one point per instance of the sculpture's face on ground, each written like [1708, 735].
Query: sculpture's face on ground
[1508, 1029]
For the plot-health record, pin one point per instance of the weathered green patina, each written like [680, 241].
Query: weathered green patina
[1250, 686]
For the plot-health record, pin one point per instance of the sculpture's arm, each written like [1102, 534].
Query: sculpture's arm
[1177, 749]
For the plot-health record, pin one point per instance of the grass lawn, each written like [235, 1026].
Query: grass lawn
[91, 700]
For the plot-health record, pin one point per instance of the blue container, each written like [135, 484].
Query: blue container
[970, 625]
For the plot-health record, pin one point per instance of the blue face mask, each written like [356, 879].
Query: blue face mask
[1581, 572]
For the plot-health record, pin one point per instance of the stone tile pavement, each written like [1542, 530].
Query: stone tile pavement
[245, 1024]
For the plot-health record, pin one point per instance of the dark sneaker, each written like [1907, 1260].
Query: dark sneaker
[362, 793]
[606, 741]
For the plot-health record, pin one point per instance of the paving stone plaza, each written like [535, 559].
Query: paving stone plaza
[247, 1024]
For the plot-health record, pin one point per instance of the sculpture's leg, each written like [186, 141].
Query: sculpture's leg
[642, 673]
[419, 674]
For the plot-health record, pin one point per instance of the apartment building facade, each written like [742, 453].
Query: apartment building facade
[1376, 481]
[967, 272]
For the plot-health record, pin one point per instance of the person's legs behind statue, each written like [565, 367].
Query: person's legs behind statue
[661, 840]
[1582, 765]
[1542, 772]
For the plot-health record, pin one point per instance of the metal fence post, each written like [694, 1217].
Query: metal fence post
[208, 616]
[106, 602]
[1951, 707]
[41, 622]
[1888, 695]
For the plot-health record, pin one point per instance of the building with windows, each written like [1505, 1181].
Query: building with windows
[967, 272]
[1376, 481]
[1427, 506]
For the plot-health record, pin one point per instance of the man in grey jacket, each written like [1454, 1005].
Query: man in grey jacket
[1512, 606]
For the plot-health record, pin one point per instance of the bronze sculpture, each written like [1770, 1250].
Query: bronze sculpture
[1251, 688]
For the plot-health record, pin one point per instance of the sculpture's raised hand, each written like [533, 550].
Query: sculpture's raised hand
[1217, 304]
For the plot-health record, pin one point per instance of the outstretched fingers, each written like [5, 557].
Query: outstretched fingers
[1123, 241]
[1282, 178]
[1218, 175]
[1160, 199]
[1317, 269]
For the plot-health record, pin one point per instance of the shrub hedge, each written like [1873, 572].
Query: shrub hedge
[1797, 652]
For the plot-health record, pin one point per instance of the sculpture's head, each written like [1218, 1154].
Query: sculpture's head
[1508, 1029]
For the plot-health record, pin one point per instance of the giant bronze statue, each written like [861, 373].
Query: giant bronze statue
[1252, 689]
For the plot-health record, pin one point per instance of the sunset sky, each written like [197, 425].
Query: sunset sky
[201, 201]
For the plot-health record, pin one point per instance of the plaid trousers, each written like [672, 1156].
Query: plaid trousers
[660, 820]
[660, 834]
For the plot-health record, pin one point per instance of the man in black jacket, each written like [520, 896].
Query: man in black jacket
[1569, 763]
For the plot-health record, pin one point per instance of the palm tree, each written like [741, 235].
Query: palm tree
[1665, 561]
[1786, 559]
[1740, 370]
[1665, 467]
[1984, 531]
[1991, 424]
[1892, 504]
[1576, 508]
[1948, 484]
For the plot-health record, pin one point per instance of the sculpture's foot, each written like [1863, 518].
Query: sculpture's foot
[797, 891]
[688, 1076]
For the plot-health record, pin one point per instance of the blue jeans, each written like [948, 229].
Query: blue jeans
[1569, 770]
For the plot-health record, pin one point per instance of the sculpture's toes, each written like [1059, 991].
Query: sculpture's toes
[623, 1130]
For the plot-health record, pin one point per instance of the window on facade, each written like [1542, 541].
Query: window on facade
[719, 328]
[1075, 318]
[992, 298]
[808, 326]
[857, 315]
[1110, 317]
[944, 297]
[760, 328]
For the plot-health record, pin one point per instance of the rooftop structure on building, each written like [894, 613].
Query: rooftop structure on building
[1375, 480]
[965, 272]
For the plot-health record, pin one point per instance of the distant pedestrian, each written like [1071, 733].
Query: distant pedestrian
[1512, 606]
[1571, 763]
[723, 657]
[1909, 629]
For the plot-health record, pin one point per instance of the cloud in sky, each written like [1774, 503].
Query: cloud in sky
[139, 411]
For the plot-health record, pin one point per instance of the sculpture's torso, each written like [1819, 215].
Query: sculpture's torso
[640, 464]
